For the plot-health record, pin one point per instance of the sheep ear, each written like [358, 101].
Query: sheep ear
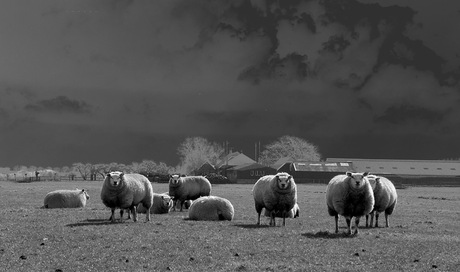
[108, 175]
[377, 179]
[122, 174]
[82, 190]
[365, 174]
[349, 174]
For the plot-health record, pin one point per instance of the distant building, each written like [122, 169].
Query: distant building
[420, 172]
[315, 171]
[206, 169]
[231, 160]
[248, 173]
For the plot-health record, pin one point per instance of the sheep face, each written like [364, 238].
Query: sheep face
[85, 193]
[373, 180]
[283, 181]
[174, 179]
[357, 180]
[115, 178]
[167, 201]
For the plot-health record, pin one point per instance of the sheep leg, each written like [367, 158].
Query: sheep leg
[387, 224]
[367, 218]
[181, 204]
[284, 218]
[134, 212]
[372, 218]
[336, 223]
[121, 215]
[129, 214]
[258, 218]
[272, 219]
[357, 224]
[112, 218]
[376, 219]
[147, 217]
[348, 220]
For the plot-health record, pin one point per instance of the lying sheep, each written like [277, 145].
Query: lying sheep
[162, 203]
[126, 191]
[385, 199]
[211, 208]
[66, 199]
[188, 188]
[349, 195]
[277, 194]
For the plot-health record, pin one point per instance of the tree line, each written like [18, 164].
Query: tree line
[193, 153]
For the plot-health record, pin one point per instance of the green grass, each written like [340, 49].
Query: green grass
[424, 235]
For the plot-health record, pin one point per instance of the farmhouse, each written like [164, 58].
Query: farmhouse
[315, 171]
[419, 172]
[231, 160]
[248, 173]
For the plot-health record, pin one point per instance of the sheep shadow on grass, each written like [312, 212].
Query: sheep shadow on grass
[327, 235]
[252, 226]
[96, 222]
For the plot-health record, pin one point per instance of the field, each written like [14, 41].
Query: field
[424, 235]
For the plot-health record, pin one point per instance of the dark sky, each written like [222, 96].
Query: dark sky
[123, 81]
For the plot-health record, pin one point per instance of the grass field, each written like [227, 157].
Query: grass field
[424, 235]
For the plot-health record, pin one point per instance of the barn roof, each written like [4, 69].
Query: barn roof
[233, 159]
[318, 166]
[249, 166]
[405, 167]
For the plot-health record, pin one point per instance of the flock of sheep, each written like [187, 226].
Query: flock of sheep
[349, 195]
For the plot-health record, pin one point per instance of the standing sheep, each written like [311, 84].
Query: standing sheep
[126, 191]
[188, 188]
[211, 208]
[385, 199]
[66, 199]
[349, 195]
[277, 194]
[162, 203]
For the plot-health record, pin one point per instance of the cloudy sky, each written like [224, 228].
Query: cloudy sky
[122, 81]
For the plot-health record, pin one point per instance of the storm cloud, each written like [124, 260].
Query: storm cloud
[350, 76]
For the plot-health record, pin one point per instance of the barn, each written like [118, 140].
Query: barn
[410, 172]
[315, 171]
[248, 173]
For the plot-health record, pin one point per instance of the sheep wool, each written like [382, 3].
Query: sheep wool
[211, 208]
[349, 195]
[66, 199]
[162, 203]
[126, 191]
[277, 194]
[385, 199]
[188, 188]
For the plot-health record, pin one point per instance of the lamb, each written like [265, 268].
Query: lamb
[277, 194]
[349, 195]
[211, 208]
[188, 188]
[66, 199]
[126, 191]
[385, 199]
[162, 203]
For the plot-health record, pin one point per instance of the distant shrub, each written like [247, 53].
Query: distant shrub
[217, 179]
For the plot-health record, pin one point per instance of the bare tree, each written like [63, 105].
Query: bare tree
[83, 169]
[196, 151]
[289, 146]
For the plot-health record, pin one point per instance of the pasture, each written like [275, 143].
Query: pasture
[424, 235]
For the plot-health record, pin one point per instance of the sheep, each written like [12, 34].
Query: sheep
[349, 195]
[162, 203]
[126, 191]
[385, 199]
[211, 208]
[277, 194]
[66, 199]
[188, 188]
